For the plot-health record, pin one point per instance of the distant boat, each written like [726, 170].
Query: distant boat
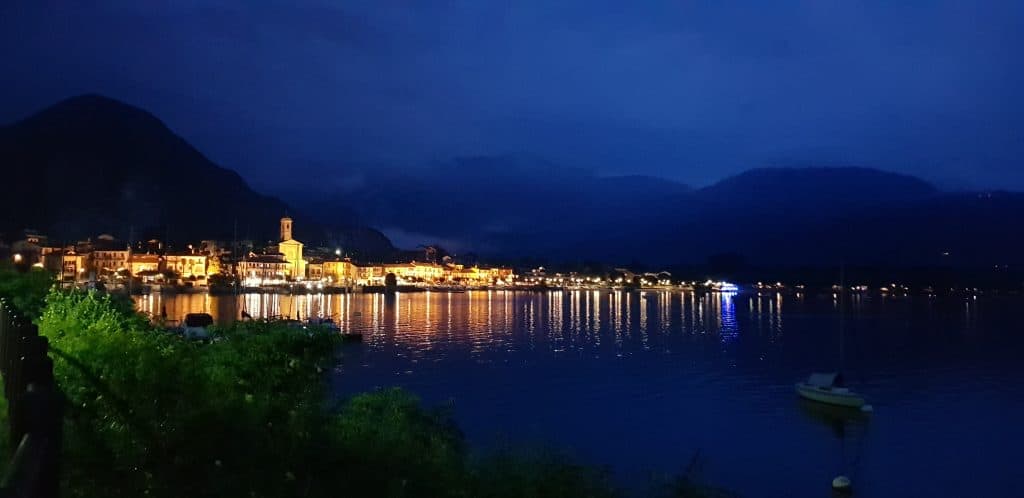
[725, 287]
[351, 337]
[329, 324]
[326, 323]
[828, 388]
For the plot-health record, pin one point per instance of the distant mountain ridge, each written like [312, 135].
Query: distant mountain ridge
[505, 204]
[521, 207]
[91, 164]
[846, 188]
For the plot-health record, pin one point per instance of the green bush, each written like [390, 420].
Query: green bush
[387, 445]
[25, 291]
[538, 473]
[150, 412]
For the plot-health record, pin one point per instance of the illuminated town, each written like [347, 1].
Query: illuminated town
[289, 266]
[283, 266]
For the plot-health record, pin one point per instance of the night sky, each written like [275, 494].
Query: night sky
[691, 91]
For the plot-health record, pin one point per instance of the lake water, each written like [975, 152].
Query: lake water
[642, 381]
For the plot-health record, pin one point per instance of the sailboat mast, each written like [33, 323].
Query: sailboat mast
[131, 241]
[842, 315]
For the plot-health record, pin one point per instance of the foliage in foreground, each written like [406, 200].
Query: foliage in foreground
[25, 291]
[246, 415]
[151, 412]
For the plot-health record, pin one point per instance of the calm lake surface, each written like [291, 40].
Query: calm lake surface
[642, 381]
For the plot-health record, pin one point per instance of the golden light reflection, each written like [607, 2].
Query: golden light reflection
[563, 319]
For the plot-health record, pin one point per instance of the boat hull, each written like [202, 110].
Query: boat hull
[829, 396]
[351, 337]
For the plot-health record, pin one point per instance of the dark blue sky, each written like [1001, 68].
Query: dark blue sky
[692, 91]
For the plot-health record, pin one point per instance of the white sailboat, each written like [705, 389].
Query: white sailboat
[829, 387]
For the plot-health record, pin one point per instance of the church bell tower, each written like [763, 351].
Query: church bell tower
[286, 228]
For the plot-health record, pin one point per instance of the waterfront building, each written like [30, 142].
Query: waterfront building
[370, 275]
[110, 260]
[343, 272]
[314, 271]
[499, 276]
[413, 272]
[148, 263]
[75, 266]
[188, 266]
[462, 275]
[263, 269]
[214, 265]
[51, 258]
[417, 273]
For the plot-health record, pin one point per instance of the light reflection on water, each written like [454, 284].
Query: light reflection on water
[642, 380]
[580, 318]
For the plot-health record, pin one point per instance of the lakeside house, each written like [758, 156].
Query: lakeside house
[191, 267]
[139, 264]
[256, 270]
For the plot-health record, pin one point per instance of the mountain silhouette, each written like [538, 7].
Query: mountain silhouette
[824, 216]
[91, 165]
[521, 206]
[506, 204]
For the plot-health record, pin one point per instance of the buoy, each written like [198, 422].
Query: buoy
[841, 483]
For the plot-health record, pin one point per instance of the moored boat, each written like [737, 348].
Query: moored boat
[828, 388]
[327, 323]
[195, 325]
[330, 325]
[351, 337]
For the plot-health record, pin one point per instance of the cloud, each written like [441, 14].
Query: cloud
[688, 90]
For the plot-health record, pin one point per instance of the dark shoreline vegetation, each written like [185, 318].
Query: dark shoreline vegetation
[247, 414]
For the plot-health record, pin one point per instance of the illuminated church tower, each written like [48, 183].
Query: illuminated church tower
[292, 251]
[286, 228]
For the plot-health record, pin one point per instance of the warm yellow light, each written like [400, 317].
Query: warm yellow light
[17, 258]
